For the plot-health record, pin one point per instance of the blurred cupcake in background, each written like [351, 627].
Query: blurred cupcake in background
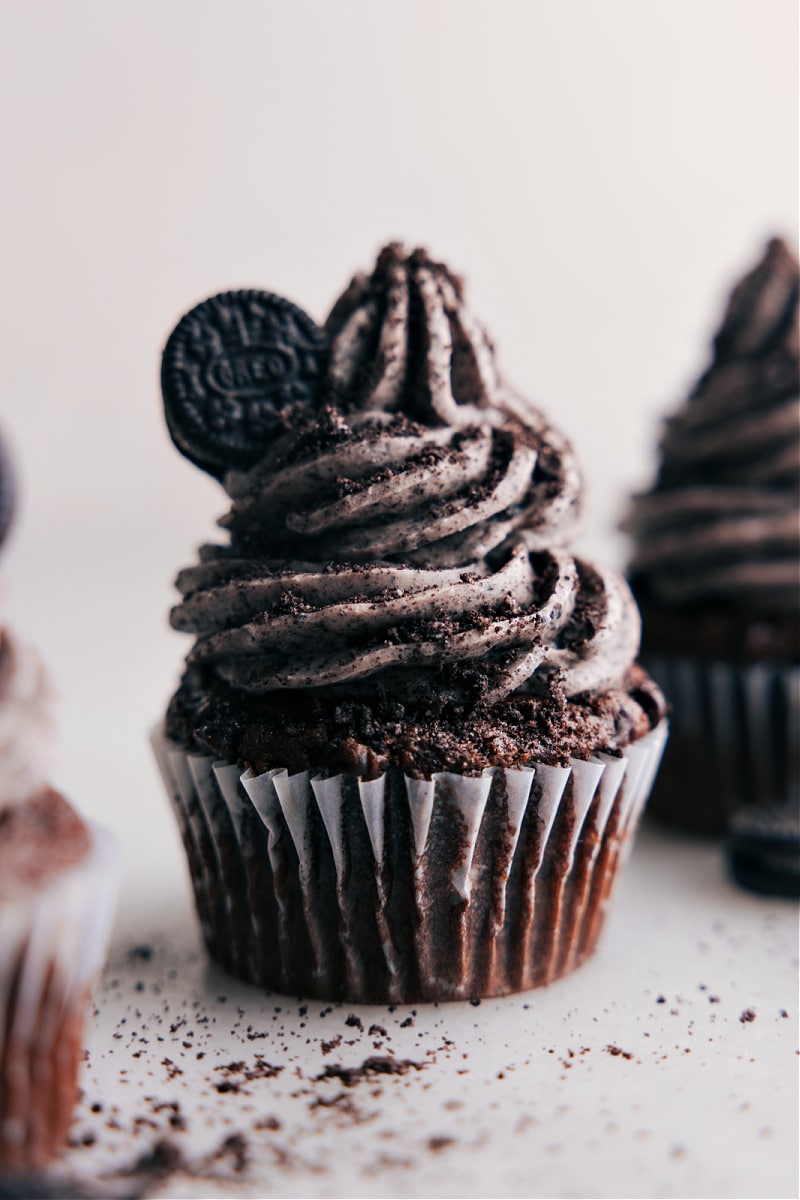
[57, 889]
[716, 566]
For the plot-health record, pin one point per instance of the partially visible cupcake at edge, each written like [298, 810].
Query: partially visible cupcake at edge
[716, 565]
[411, 744]
[57, 889]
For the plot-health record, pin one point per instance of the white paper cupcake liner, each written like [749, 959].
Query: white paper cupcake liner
[52, 946]
[734, 741]
[398, 889]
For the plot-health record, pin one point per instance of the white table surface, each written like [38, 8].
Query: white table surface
[665, 1067]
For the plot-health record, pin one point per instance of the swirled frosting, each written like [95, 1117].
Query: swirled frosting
[722, 523]
[408, 545]
[403, 340]
[378, 547]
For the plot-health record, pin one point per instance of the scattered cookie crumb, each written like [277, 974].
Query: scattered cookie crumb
[617, 1052]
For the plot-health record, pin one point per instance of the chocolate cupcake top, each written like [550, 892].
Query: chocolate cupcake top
[721, 526]
[406, 546]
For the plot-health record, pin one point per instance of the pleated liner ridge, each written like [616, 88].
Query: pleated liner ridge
[735, 740]
[395, 890]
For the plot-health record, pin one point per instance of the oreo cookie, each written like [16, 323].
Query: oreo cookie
[236, 370]
[763, 850]
[8, 491]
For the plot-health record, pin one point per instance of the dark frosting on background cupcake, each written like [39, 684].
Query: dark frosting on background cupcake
[721, 527]
[395, 588]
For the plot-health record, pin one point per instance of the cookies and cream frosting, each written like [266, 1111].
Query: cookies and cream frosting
[403, 340]
[722, 524]
[393, 549]
[414, 529]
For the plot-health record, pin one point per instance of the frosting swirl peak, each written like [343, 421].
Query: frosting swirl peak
[403, 340]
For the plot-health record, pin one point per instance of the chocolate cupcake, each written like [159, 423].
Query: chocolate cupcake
[716, 565]
[411, 744]
[56, 897]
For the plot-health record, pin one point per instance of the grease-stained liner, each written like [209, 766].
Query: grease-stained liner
[396, 890]
[53, 943]
[734, 740]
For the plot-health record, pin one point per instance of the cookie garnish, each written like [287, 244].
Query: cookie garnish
[235, 371]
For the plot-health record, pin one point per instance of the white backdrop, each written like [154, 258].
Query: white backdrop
[600, 171]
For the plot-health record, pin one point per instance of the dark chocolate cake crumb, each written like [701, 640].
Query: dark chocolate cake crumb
[345, 1108]
[616, 1052]
[271, 1123]
[440, 1142]
[370, 1068]
[435, 732]
[141, 953]
[172, 1069]
[235, 1148]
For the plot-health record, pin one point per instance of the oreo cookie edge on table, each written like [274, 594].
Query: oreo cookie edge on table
[763, 850]
[235, 371]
